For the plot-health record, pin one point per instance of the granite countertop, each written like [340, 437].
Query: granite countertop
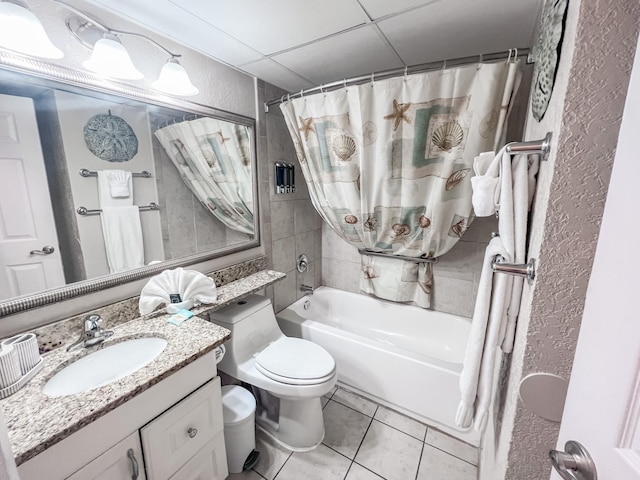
[35, 422]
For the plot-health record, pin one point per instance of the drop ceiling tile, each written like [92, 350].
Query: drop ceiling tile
[357, 52]
[267, 29]
[276, 74]
[381, 8]
[174, 22]
[458, 28]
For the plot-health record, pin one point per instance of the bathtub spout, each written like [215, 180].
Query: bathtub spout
[306, 288]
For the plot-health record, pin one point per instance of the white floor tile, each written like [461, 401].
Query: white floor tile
[272, 456]
[357, 472]
[354, 401]
[452, 445]
[438, 465]
[402, 423]
[246, 475]
[390, 453]
[344, 428]
[321, 463]
[324, 401]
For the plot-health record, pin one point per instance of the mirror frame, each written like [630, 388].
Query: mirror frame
[47, 71]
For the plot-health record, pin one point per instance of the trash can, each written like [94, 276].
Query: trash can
[238, 411]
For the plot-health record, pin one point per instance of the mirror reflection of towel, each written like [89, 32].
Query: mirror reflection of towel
[115, 188]
[122, 238]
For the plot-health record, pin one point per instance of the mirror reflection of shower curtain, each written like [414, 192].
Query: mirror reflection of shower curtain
[213, 158]
[389, 163]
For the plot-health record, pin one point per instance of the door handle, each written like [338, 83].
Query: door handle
[46, 250]
[574, 463]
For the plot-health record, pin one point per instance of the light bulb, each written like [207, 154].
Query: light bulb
[174, 80]
[110, 59]
[22, 32]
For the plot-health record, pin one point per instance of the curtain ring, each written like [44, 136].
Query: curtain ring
[344, 82]
[282, 99]
[444, 65]
[515, 54]
[288, 97]
[509, 57]
[373, 75]
[406, 71]
[301, 92]
[480, 60]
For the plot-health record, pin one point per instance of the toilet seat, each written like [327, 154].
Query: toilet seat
[295, 361]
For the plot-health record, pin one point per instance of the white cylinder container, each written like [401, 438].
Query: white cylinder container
[9, 366]
[238, 410]
[26, 347]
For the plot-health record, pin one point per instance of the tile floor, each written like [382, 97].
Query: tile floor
[366, 441]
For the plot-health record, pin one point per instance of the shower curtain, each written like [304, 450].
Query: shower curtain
[388, 164]
[213, 158]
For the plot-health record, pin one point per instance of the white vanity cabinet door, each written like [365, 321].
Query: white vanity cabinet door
[116, 463]
[209, 464]
[173, 438]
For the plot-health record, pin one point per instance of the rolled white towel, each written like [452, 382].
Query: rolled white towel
[189, 284]
[486, 184]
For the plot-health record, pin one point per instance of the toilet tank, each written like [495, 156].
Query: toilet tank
[253, 326]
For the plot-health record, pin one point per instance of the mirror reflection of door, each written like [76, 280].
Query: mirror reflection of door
[26, 217]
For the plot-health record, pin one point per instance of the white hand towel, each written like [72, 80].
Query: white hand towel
[122, 238]
[115, 188]
[485, 327]
[191, 285]
[485, 184]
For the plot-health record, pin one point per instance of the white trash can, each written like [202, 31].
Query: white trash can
[238, 411]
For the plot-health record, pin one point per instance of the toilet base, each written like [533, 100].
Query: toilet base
[300, 426]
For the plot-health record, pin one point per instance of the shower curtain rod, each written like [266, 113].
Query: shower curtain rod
[423, 67]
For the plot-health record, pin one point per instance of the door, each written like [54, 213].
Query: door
[26, 216]
[602, 410]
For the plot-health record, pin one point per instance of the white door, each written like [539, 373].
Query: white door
[602, 410]
[26, 216]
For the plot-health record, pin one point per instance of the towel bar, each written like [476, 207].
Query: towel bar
[143, 208]
[527, 270]
[364, 251]
[534, 146]
[88, 173]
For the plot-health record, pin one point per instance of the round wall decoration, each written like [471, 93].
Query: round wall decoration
[110, 138]
[546, 55]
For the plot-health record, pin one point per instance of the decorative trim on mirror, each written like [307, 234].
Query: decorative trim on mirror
[31, 66]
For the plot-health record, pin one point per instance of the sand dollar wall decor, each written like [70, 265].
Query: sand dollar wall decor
[110, 138]
[546, 55]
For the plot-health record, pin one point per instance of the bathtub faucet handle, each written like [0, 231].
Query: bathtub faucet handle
[303, 263]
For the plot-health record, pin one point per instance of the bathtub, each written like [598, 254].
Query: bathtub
[404, 357]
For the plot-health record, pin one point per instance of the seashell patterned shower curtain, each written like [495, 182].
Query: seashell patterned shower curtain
[388, 164]
[213, 158]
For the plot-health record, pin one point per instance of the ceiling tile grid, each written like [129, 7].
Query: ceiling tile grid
[297, 44]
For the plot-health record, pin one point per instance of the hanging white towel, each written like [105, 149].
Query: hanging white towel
[488, 317]
[486, 184]
[122, 238]
[189, 284]
[115, 188]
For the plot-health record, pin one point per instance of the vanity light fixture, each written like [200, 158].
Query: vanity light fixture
[22, 32]
[111, 59]
[174, 79]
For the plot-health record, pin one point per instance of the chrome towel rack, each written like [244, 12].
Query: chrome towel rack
[88, 173]
[143, 208]
[534, 146]
[373, 253]
[526, 270]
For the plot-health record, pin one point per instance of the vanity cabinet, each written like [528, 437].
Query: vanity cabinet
[174, 430]
[122, 462]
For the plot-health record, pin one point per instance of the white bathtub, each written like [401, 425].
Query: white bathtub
[404, 357]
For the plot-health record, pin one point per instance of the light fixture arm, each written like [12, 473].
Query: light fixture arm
[113, 31]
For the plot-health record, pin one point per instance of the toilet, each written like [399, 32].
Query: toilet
[288, 375]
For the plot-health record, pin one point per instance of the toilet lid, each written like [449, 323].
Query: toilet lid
[295, 361]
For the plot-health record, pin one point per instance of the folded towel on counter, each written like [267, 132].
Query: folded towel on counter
[115, 188]
[122, 234]
[189, 284]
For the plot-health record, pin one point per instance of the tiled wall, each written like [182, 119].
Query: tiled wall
[290, 224]
[456, 274]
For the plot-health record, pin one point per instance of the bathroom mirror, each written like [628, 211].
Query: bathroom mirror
[73, 146]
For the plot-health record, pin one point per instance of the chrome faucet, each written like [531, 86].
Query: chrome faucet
[93, 333]
[306, 288]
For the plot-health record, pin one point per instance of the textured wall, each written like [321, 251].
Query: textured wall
[584, 115]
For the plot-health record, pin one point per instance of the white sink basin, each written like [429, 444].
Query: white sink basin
[104, 366]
